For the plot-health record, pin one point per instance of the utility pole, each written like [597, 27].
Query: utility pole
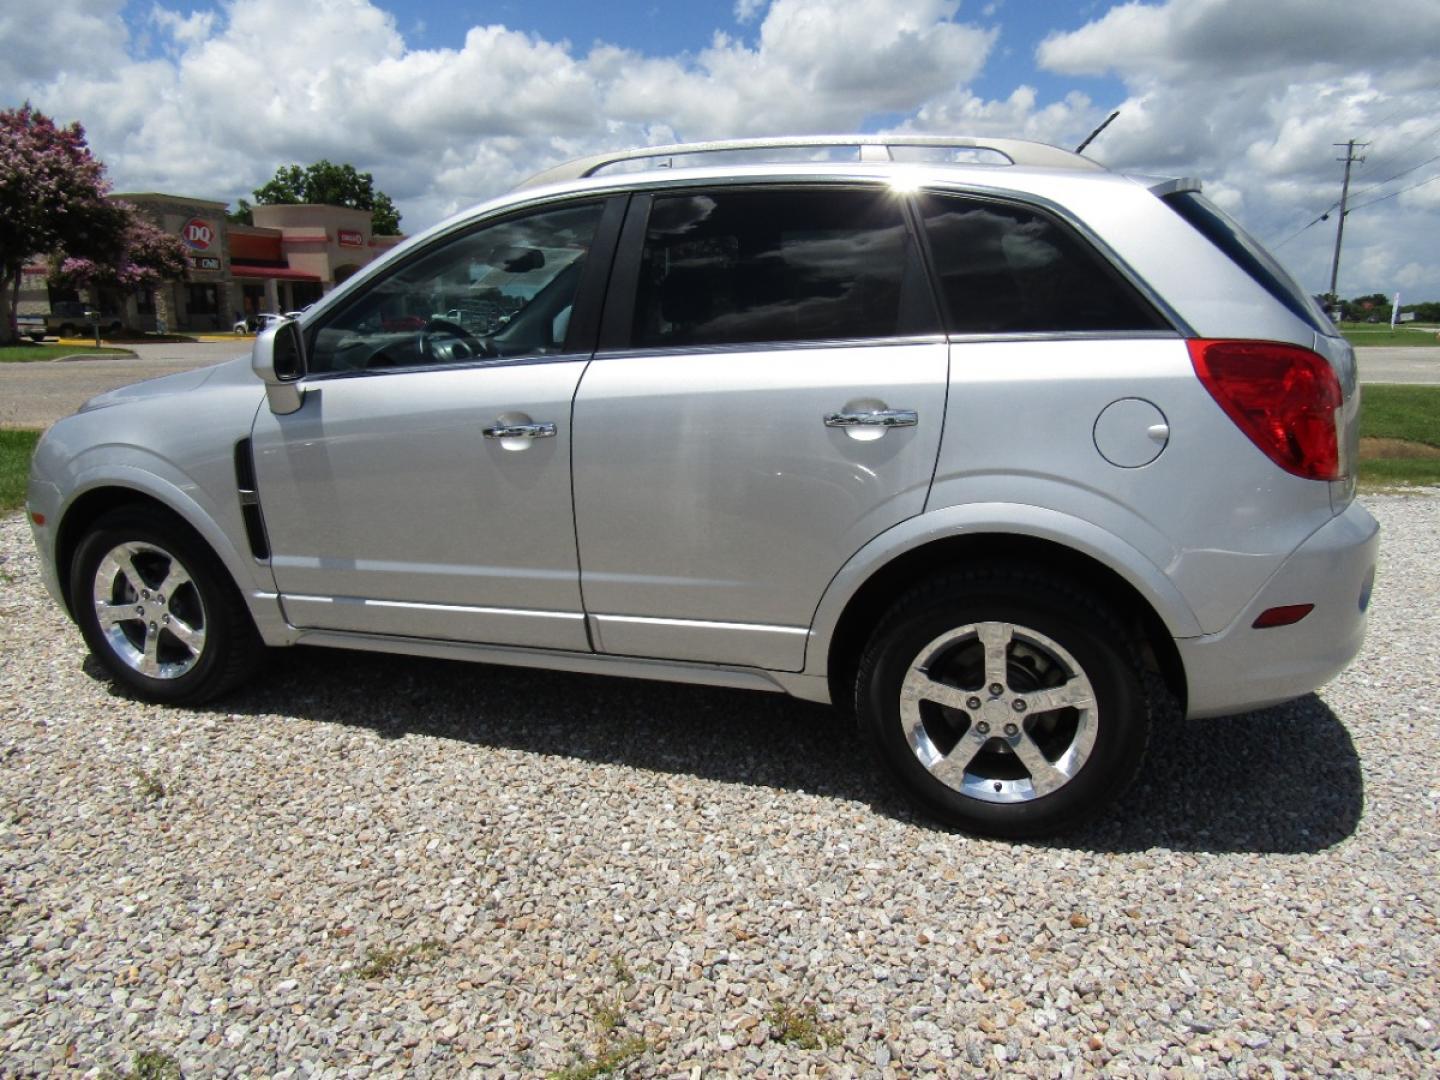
[1348, 159]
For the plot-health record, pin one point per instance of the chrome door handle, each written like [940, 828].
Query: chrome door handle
[886, 418]
[544, 430]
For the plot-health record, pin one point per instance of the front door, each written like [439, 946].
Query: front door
[423, 487]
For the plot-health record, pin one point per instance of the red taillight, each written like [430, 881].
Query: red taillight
[1282, 396]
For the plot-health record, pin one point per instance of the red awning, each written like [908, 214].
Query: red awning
[282, 272]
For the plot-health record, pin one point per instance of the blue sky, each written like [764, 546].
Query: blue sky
[450, 102]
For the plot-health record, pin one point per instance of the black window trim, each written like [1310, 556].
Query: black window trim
[1177, 327]
[582, 334]
[617, 324]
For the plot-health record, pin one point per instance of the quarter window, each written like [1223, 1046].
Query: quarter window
[506, 289]
[733, 267]
[1010, 269]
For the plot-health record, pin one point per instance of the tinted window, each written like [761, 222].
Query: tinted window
[798, 265]
[1009, 269]
[1245, 252]
[503, 290]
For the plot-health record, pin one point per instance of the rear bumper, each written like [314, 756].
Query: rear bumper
[1242, 668]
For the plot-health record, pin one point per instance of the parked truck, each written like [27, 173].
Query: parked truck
[67, 318]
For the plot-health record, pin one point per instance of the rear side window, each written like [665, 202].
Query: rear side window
[730, 267]
[1012, 269]
[1245, 252]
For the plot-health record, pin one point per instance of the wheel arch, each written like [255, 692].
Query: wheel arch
[88, 508]
[867, 603]
[101, 498]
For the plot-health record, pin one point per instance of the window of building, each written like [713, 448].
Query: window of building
[202, 300]
[742, 266]
[1012, 269]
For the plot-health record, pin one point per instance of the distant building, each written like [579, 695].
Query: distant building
[289, 258]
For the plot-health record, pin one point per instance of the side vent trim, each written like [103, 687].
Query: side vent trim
[250, 501]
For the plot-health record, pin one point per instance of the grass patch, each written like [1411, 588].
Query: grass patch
[1411, 416]
[25, 354]
[1399, 472]
[382, 962]
[1411, 413]
[609, 1057]
[154, 1065]
[16, 447]
[800, 1027]
[151, 786]
[1367, 334]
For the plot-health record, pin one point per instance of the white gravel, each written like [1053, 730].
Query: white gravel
[370, 864]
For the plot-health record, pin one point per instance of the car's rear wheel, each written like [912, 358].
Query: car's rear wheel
[1006, 703]
[158, 609]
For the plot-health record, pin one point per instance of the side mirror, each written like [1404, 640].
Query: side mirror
[278, 360]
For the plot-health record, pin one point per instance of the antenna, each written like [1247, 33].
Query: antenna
[1091, 137]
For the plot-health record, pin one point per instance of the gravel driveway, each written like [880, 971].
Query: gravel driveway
[368, 864]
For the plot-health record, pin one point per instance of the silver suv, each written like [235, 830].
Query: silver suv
[995, 448]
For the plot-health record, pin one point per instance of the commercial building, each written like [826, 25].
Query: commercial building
[290, 257]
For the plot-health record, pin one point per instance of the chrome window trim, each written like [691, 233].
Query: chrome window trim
[1068, 335]
[730, 348]
[475, 363]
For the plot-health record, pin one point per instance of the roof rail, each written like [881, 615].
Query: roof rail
[872, 148]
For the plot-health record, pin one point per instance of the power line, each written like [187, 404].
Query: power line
[1392, 195]
[1389, 156]
[1381, 183]
[1325, 214]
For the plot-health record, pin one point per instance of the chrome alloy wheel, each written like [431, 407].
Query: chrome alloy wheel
[149, 610]
[998, 712]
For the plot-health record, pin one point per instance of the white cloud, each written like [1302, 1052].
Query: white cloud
[1252, 98]
[186, 29]
[746, 10]
[1247, 96]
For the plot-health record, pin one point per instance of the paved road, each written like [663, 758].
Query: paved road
[36, 395]
[1399, 364]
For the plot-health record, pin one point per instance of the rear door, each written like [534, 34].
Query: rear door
[768, 397]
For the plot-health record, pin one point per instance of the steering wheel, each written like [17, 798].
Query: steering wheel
[459, 345]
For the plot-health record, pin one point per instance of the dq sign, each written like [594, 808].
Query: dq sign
[198, 234]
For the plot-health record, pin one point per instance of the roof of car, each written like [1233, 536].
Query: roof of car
[870, 149]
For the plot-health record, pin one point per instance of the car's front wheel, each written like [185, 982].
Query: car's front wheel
[158, 610]
[1006, 703]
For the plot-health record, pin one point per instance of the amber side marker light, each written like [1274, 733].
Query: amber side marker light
[37, 517]
[1282, 616]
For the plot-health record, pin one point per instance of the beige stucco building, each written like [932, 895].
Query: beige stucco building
[289, 258]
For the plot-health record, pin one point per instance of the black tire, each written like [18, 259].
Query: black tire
[66, 330]
[1061, 640]
[37, 338]
[181, 667]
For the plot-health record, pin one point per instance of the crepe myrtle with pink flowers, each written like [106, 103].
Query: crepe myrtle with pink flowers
[55, 205]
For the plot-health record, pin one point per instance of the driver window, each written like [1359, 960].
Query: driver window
[503, 290]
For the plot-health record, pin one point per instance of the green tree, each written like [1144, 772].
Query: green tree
[331, 185]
